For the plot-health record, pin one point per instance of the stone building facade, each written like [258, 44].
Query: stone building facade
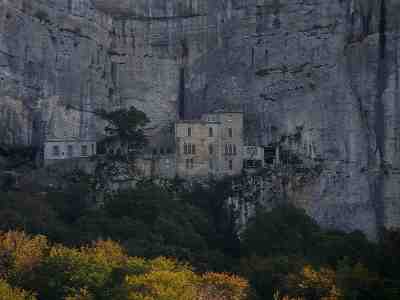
[253, 157]
[60, 149]
[211, 146]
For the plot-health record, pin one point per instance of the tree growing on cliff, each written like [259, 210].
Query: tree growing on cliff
[126, 128]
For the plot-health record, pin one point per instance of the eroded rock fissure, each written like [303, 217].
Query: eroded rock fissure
[378, 196]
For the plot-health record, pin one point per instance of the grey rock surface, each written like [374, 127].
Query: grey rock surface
[324, 70]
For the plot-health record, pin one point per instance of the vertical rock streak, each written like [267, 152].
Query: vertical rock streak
[378, 197]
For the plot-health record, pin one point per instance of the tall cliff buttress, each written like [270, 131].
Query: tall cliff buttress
[326, 70]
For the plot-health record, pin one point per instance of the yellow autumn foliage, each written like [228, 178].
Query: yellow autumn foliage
[166, 280]
[320, 284]
[9, 293]
[23, 253]
[104, 271]
[223, 286]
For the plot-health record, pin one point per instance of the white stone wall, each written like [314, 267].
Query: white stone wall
[51, 154]
[253, 153]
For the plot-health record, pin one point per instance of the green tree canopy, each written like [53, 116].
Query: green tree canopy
[126, 125]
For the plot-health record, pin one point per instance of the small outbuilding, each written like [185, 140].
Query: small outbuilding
[59, 149]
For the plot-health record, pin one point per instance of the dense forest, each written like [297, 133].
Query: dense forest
[66, 251]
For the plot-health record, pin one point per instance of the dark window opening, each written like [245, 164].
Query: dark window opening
[84, 150]
[56, 150]
[230, 132]
[189, 131]
[210, 132]
[189, 163]
[230, 165]
[70, 150]
[252, 164]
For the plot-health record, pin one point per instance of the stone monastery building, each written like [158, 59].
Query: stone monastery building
[210, 146]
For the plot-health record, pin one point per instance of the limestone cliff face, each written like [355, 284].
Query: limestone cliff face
[325, 71]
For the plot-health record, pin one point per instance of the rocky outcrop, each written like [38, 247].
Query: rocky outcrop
[326, 71]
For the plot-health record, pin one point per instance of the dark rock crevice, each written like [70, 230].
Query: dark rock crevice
[379, 126]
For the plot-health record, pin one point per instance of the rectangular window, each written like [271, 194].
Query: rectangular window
[230, 132]
[190, 163]
[187, 163]
[234, 150]
[70, 151]
[84, 150]
[210, 149]
[93, 150]
[189, 131]
[185, 148]
[210, 132]
[56, 150]
[230, 165]
[193, 149]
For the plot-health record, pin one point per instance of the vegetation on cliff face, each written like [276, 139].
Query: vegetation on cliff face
[125, 126]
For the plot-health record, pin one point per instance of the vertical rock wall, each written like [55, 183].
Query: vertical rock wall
[325, 71]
